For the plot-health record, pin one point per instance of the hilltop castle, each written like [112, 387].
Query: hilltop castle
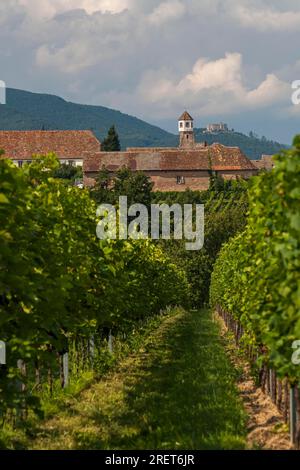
[189, 165]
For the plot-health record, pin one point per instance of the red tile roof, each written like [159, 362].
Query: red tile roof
[229, 158]
[21, 145]
[214, 157]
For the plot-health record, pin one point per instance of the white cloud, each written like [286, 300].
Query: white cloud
[271, 91]
[70, 59]
[167, 11]
[78, 42]
[140, 56]
[49, 8]
[265, 19]
[213, 87]
[225, 73]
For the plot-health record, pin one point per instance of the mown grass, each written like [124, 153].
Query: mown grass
[177, 392]
[53, 404]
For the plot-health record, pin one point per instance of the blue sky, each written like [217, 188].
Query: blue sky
[229, 60]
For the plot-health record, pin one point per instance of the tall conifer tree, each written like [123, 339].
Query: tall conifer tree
[112, 142]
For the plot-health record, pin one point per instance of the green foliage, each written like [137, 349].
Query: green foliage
[69, 172]
[111, 143]
[257, 275]
[225, 215]
[226, 204]
[135, 185]
[217, 182]
[58, 281]
[175, 197]
[102, 192]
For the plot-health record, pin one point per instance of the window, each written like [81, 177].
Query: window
[181, 124]
[180, 180]
[187, 124]
[20, 163]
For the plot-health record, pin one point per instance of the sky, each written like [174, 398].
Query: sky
[232, 60]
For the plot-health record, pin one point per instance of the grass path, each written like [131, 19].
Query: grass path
[178, 392]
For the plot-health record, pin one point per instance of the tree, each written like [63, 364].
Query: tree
[102, 191]
[217, 182]
[68, 172]
[112, 142]
[135, 185]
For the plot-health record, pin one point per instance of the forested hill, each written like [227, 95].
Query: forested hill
[30, 111]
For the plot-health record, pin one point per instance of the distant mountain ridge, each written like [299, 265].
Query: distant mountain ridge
[31, 111]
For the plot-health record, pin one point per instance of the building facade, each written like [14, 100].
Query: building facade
[188, 166]
[265, 163]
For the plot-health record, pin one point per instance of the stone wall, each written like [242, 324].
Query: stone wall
[167, 180]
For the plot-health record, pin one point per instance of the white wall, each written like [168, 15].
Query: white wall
[184, 126]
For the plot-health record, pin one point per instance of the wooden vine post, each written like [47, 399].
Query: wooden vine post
[297, 425]
[292, 415]
[66, 369]
[110, 342]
